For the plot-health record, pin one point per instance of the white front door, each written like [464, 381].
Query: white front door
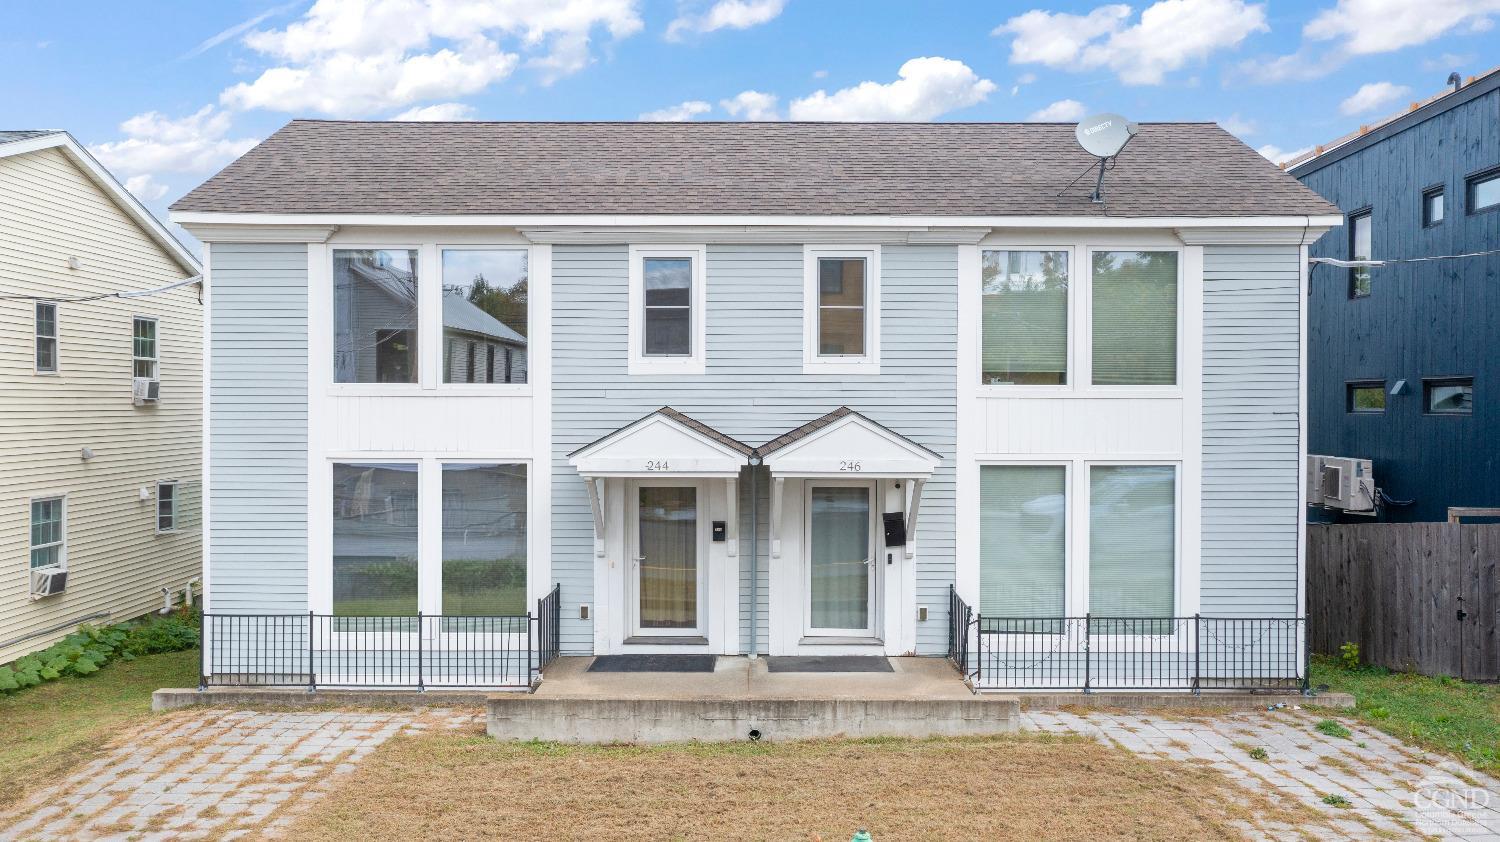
[840, 570]
[668, 551]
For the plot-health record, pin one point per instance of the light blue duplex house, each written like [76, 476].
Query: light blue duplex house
[484, 393]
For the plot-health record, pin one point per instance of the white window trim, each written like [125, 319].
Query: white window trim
[155, 344]
[433, 300]
[1074, 287]
[812, 361]
[56, 339]
[156, 513]
[62, 544]
[637, 361]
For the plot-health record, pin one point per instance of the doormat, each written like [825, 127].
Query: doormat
[828, 663]
[652, 663]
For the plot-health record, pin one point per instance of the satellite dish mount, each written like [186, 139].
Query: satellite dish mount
[1103, 136]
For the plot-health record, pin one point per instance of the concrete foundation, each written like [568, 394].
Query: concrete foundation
[173, 698]
[1180, 701]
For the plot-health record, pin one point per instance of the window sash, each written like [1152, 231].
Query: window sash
[1365, 397]
[826, 324]
[144, 348]
[482, 286]
[45, 315]
[484, 539]
[1023, 528]
[48, 532]
[1484, 192]
[375, 296]
[1133, 531]
[1024, 319]
[1457, 392]
[667, 323]
[1360, 283]
[1433, 210]
[166, 507]
[1136, 316]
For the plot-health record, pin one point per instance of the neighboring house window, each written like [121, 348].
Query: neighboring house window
[1365, 396]
[375, 316]
[1132, 545]
[145, 348]
[374, 540]
[1484, 191]
[1023, 529]
[47, 533]
[1359, 249]
[1449, 395]
[46, 338]
[1135, 318]
[1024, 318]
[1432, 207]
[489, 364]
[484, 540]
[666, 321]
[485, 303]
[166, 507]
[841, 310]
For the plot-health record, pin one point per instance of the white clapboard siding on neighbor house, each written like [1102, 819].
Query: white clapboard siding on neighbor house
[117, 562]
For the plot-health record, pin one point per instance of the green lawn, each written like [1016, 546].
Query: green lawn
[1440, 714]
[57, 726]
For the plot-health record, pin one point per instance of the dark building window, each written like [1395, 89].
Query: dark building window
[1449, 395]
[1484, 191]
[1432, 207]
[1366, 396]
[1359, 249]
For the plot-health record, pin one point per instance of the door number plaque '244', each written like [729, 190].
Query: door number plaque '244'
[657, 465]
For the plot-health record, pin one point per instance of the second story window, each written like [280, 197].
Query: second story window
[1484, 191]
[842, 310]
[46, 338]
[1134, 303]
[1359, 249]
[484, 308]
[375, 316]
[1024, 318]
[667, 299]
[1432, 207]
[145, 359]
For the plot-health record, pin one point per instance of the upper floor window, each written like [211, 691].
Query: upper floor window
[1024, 318]
[375, 316]
[145, 358]
[47, 532]
[1135, 313]
[1484, 191]
[46, 338]
[1359, 249]
[1448, 395]
[841, 310]
[667, 295]
[166, 507]
[1432, 207]
[1365, 396]
[485, 315]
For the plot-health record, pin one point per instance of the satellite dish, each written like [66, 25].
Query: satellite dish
[1103, 136]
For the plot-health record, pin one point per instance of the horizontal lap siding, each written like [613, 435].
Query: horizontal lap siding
[1251, 457]
[258, 428]
[753, 390]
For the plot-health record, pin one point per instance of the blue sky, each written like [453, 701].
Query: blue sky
[165, 93]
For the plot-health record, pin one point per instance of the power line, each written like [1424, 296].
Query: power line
[1362, 264]
[136, 293]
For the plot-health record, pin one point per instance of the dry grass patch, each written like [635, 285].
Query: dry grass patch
[462, 785]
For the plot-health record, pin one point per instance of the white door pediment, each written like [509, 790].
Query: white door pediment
[658, 445]
[853, 446]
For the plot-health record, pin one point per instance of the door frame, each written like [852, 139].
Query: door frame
[632, 536]
[875, 587]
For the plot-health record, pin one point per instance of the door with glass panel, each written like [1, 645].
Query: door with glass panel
[840, 563]
[668, 555]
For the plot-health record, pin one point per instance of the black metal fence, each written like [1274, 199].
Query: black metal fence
[960, 618]
[1130, 653]
[422, 651]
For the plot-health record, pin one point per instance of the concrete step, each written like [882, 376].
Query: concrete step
[611, 719]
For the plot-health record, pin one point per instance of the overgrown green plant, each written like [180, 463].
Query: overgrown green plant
[1337, 801]
[1259, 753]
[1333, 729]
[1349, 655]
[83, 652]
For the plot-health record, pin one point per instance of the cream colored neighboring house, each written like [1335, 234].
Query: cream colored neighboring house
[94, 481]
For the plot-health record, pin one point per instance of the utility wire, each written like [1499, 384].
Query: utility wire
[1353, 264]
[137, 293]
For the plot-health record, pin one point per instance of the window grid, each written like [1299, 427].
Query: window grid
[166, 507]
[47, 532]
[144, 348]
[46, 337]
[827, 313]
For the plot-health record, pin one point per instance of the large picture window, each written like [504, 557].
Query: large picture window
[1023, 528]
[1133, 543]
[375, 540]
[1024, 318]
[485, 315]
[375, 315]
[1135, 316]
[484, 540]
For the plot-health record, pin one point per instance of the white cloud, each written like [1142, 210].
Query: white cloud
[1062, 111]
[679, 113]
[1371, 96]
[1169, 35]
[1363, 27]
[443, 112]
[1278, 155]
[155, 144]
[751, 105]
[725, 14]
[145, 187]
[356, 57]
[1237, 125]
[927, 88]
[235, 31]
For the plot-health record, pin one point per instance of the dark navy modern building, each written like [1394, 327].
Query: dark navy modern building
[1404, 359]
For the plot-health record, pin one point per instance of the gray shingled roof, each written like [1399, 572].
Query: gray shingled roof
[802, 432]
[794, 169]
[6, 136]
[687, 421]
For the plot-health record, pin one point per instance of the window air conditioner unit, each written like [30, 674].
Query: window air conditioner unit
[147, 390]
[48, 581]
[1336, 482]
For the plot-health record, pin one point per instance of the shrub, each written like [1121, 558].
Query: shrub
[83, 652]
[1349, 655]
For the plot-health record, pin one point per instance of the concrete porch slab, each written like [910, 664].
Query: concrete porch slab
[743, 678]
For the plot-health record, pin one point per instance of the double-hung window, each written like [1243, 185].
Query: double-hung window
[1360, 283]
[46, 337]
[1135, 305]
[48, 530]
[1024, 317]
[145, 350]
[841, 310]
[166, 507]
[667, 310]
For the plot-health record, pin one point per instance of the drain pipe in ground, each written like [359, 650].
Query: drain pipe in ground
[754, 552]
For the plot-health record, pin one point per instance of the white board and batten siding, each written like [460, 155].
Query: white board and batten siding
[50, 211]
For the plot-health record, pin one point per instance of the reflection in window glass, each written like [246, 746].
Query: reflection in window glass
[484, 540]
[47, 532]
[1025, 317]
[1367, 397]
[484, 315]
[1023, 530]
[374, 540]
[375, 316]
[841, 307]
[1359, 249]
[1132, 542]
[669, 307]
[1452, 396]
[144, 348]
[166, 506]
[1484, 192]
[1135, 318]
[1432, 207]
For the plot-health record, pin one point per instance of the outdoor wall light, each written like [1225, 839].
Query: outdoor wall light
[1399, 388]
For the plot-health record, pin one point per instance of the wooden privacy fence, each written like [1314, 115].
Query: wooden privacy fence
[1417, 597]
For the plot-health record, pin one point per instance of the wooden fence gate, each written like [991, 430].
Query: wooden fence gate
[1417, 597]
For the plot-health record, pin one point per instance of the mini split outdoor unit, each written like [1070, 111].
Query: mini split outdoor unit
[1336, 482]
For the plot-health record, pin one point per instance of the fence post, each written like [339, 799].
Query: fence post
[203, 653]
[421, 632]
[1197, 654]
[1088, 652]
[312, 676]
[1306, 658]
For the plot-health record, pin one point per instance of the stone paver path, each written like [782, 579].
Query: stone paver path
[215, 774]
[1392, 790]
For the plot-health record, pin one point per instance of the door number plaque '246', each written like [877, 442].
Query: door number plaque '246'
[850, 466]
